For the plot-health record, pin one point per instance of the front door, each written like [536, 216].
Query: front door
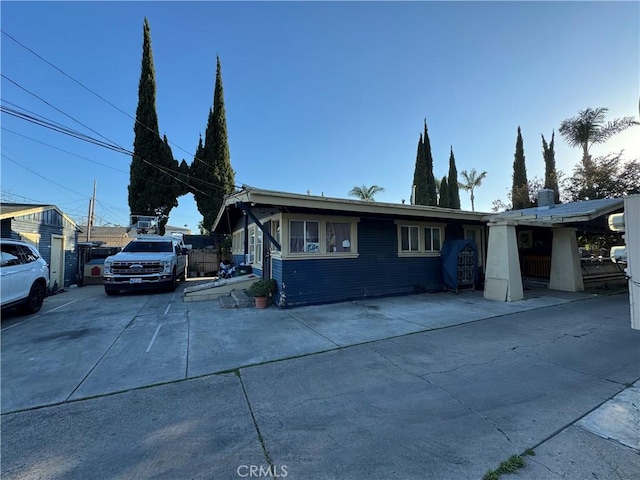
[56, 263]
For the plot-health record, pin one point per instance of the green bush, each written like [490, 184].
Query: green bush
[263, 288]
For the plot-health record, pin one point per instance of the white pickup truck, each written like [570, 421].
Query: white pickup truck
[150, 261]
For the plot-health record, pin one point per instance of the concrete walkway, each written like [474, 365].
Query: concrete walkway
[425, 386]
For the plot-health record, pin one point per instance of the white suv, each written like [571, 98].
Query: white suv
[24, 276]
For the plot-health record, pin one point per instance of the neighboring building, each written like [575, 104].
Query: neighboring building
[321, 249]
[169, 230]
[106, 236]
[51, 231]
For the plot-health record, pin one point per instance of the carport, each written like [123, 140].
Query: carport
[549, 228]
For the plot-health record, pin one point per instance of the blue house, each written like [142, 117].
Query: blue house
[323, 250]
[51, 231]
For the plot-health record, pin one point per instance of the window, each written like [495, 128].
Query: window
[432, 239]
[317, 236]
[303, 236]
[338, 237]
[11, 255]
[409, 238]
[258, 257]
[238, 242]
[419, 239]
[252, 244]
[275, 233]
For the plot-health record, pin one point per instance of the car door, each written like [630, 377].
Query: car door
[10, 268]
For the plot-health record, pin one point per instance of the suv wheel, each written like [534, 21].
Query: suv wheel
[35, 298]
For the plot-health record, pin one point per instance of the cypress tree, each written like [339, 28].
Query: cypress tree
[152, 186]
[520, 187]
[454, 190]
[211, 172]
[432, 196]
[550, 174]
[420, 176]
[444, 193]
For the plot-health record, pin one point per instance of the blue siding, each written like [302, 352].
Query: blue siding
[377, 272]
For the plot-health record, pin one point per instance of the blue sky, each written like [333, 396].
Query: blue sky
[319, 96]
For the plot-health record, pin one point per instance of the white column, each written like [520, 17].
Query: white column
[632, 241]
[503, 280]
[566, 274]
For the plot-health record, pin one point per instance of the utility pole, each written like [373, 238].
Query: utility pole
[92, 204]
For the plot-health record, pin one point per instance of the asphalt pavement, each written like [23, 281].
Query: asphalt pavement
[440, 386]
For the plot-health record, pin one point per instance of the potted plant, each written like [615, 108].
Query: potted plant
[262, 290]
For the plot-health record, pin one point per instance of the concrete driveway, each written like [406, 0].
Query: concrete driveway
[425, 386]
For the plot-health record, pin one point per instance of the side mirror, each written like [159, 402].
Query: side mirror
[185, 251]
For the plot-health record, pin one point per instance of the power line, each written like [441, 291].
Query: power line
[41, 176]
[55, 108]
[63, 150]
[55, 126]
[195, 158]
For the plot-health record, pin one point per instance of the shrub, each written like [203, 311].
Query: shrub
[263, 288]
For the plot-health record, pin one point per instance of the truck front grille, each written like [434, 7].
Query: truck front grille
[136, 268]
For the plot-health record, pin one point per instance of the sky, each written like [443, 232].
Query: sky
[319, 96]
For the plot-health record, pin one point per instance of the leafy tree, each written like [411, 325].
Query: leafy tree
[365, 193]
[152, 185]
[472, 180]
[589, 128]
[211, 174]
[550, 174]
[444, 193]
[454, 191]
[604, 177]
[519, 189]
[420, 176]
[432, 196]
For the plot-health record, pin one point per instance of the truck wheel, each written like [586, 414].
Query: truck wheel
[110, 291]
[35, 298]
[174, 282]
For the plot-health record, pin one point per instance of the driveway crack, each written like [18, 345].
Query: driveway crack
[263, 444]
[440, 387]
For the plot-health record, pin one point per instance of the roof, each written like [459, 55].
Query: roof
[259, 197]
[111, 236]
[574, 212]
[12, 210]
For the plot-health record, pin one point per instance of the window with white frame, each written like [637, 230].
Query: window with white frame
[238, 242]
[338, 237]
[417, 239]
[432, 241]
[252, 245]
[409, 238]
[318, 236]
[258, 253]
[304, 236]
[275, 233]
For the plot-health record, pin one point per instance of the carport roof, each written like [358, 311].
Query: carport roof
[565, 213]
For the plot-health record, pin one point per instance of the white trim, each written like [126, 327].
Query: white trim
[421, 252]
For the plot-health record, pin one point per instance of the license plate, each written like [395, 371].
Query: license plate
[135, 280]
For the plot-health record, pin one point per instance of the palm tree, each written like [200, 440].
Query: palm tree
[471, 181]
[589, 127]
[365, 193]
